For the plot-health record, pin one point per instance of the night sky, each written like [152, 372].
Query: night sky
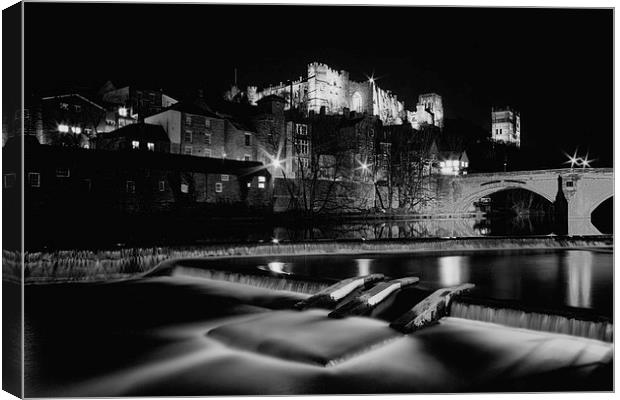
[554, 65]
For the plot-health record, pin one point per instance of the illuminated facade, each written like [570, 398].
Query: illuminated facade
[506, 126]
[324, 87]
[429, 110]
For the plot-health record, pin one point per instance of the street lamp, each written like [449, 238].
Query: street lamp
[364, 166]
[276, 163]
[574, 161]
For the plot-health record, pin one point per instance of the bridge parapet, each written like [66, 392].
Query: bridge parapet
[556, 172]
[583, 191]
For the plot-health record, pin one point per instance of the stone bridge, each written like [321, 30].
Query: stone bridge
[583, 190]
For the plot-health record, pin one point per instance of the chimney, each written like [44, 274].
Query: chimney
[345, 112]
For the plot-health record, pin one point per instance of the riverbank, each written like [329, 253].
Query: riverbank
[125, 263]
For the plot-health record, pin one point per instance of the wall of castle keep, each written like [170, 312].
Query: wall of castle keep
[326, 87]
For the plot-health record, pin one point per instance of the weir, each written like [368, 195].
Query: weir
[330, 297]
[286, 283]
[592, 327]
[360, 295]
[106, 264]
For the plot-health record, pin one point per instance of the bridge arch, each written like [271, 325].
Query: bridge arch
[599, 199]
[466, 203]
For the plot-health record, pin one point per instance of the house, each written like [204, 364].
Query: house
[451, 163]
[60, 180]
[135, 102]
[140, 136]
[68, 119]
[194, 128]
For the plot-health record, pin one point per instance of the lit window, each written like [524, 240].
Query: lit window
[188, 119]
[62, 172]
[150, 146]
[162, 186]
[135, 144]
[218, 187]
[248, 139]
[302, 129]
[303, 146]
[249, 184]
[261, 185]
[207, 152]
[76, 129]
[131, 187]
[63, 128]
[122, 112]
[442, 164]
[86, 146]
[64, 106]
[247, 157]
[225, 178]
[188, 150]
[78, 108]
[34, 179]
[184, 188]
[208, 123]
[9, 180]
[188, 136]
[261, 179]
[208, 139]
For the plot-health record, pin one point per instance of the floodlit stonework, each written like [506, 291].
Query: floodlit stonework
[335, 91]
[506, 125]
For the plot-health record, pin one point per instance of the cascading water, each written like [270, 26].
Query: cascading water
[599, 328]
[287, 283]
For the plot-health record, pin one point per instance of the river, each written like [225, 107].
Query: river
[104, 339]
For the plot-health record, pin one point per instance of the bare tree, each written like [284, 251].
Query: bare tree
[321, 176]
[411, 170]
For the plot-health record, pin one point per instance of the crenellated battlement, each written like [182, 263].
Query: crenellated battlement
[330, 89]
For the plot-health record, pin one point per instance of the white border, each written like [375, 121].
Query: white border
[480, 3]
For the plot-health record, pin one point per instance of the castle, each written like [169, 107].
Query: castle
[335, 91]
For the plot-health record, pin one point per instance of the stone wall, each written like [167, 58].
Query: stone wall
[205, 136]
[506, 126]
[334, 90]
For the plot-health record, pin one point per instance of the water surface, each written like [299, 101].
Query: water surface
[565, 278]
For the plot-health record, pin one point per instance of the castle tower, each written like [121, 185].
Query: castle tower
[506, 125]
[432, 104]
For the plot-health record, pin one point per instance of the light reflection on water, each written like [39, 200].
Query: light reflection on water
[418, 228]
[453, 270]
[579, 279]
[276, 267]
[363, 265]
[575, 278]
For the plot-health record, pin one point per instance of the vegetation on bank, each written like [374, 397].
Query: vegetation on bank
[122, 263]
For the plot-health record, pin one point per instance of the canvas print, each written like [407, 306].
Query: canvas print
[235, 199]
